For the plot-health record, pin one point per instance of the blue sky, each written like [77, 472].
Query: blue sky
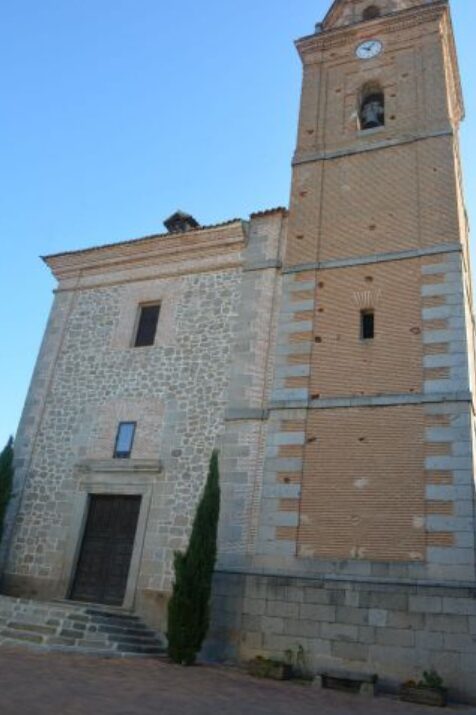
[116, 112]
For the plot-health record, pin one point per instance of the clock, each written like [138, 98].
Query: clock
[369, 49]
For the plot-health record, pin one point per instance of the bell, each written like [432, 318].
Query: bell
[372, 113]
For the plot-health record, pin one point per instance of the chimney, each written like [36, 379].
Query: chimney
[180, 222]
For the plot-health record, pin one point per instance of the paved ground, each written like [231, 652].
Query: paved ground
[54, 684]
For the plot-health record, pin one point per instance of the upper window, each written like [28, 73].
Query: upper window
[367, 325]
[124, 440]
[147, 325]
[371, 12]
[372, 107]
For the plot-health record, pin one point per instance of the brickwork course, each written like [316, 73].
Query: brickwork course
[347, 526]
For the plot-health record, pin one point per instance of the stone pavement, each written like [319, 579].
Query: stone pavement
[56, 684]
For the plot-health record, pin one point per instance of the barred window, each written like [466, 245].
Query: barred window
[147, 325]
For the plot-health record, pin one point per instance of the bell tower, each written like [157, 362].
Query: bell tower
[376, 357]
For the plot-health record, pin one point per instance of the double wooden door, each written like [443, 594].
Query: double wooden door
[106, 550]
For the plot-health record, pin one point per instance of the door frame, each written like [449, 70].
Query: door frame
[109, 485]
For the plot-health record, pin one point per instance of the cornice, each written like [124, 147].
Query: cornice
[387, 143]
[155, 250]
[341, 36]
[119, 466]
[108, 279]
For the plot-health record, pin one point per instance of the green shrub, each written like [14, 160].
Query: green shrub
[6, 480]
[189, 606]
[431, 679]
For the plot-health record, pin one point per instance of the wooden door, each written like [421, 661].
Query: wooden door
[106, 550]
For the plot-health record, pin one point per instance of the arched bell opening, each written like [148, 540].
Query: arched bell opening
[372, 107]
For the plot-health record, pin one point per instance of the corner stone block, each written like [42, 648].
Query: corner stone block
[277, 548]
[291, 286]
[315, 612]
[378, 617]
[460, 606]
[450, 556]
[426, 604]
[396, 637]
[282, 491]
[289, 395]
[429, 641]
[283, 518]
[449, 523]
[287, 438]
[340, 632]
[461, 643]
[351, 651]
[282, 609]
[254, 607]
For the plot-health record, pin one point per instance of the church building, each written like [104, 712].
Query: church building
[326, 349]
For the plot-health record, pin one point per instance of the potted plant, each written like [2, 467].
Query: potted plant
[429, 691]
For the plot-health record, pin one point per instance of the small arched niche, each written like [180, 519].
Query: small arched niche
[371, 12]
[371, 106]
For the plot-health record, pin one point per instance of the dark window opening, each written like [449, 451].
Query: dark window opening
[367, 325]
[124, 440]
[372, 108]
[147, 326]
[371, 12]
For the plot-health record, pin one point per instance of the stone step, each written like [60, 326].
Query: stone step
[30, 627]
[150, 640]
[149, 650]
[126, 637]
[115, 630]
[115, 622]
[113, 615]
[76, 628]
[20, 636]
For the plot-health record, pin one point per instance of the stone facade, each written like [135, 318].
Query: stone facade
[175, 390]
[348, 502]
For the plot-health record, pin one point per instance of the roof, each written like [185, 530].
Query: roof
[139, 240]
[269, 212]
[164, 236]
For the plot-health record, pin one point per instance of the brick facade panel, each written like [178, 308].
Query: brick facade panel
[343, 363]
[363, 493]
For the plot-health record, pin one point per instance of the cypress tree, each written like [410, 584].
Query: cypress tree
[6, 480]
[189, 606]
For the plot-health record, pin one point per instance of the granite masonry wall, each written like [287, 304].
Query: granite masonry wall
[392, 628]
[176, 391]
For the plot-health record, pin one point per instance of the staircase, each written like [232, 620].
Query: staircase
[77, 628]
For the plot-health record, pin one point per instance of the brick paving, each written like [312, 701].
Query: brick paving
[56, 684]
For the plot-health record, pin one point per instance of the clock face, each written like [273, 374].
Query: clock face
[369, 49]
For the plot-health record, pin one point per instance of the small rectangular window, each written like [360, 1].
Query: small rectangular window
[367, 325]
[147, 325]
[124, 440]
